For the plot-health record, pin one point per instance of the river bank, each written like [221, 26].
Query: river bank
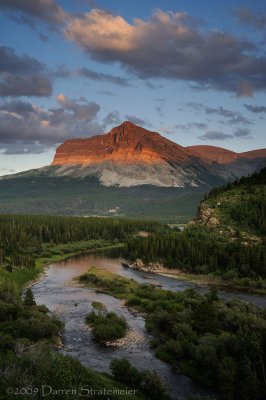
[28, 276]
[188, 328]
[245, 285]
[71, 302]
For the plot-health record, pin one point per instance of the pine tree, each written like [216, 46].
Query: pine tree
[29, 298]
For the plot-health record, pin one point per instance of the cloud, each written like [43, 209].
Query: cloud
[22, 75]
[255, 20]
[170, 45]
[136, 120]
[256, 109]
[197, 125]
[26, 128]
[243, 133]
[81, 112]
[99, 76]
[63, 72]
[215, 135]
[230, 117]
[107, 93]
[27, 11]
[234, 117]
[191, 126]
[112, 118]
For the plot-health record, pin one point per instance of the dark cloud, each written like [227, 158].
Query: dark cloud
[191, 126]
[153, 86]
[197, 125]
[243, 133]
[27, 11]
[43, 37]
[136, 120]
[63, 72]
[107, 93]
[22, 75]
[182, 127]
[215, 135]
[230, 117]
[99, 76]
[81, 112]
[255, 20]
[195, 106]
[25, 128]
[170, 45]
[159, 110]
[256, 109]
[233, 117]
[112, 118]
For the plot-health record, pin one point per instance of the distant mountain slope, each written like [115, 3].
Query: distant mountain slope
[70, 196]
[213, 153]
[224, 156]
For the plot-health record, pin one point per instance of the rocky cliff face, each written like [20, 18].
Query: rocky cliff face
[125, 144]
[130, 156]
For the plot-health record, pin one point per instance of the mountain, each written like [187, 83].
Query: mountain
[131, 156]
[224, 156]
[129, 171]
[215, 154]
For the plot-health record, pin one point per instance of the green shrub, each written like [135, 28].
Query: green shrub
[107, 327]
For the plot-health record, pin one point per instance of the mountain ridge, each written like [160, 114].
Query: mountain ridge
[130, 155]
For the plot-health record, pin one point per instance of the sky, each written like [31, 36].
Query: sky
[194, 71]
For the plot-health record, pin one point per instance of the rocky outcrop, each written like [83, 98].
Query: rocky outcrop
[207, 217]
[149, 267]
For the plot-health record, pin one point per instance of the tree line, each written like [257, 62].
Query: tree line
[22, 237]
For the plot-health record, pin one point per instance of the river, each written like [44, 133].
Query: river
[72, 303]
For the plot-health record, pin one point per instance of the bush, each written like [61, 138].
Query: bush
[107, 327]
[148, 382]
[29, 298]
[124, 372]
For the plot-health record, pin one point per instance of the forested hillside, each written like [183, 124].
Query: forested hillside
[239, 205]
[227, 239]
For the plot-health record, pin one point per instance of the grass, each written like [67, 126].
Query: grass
[109, 283]
[54, 253]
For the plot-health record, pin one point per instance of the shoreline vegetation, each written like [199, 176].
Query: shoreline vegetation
[27, 277]
[106, 327]
[238, 285]
[29, 338]
[225, 243]
[212, 341]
